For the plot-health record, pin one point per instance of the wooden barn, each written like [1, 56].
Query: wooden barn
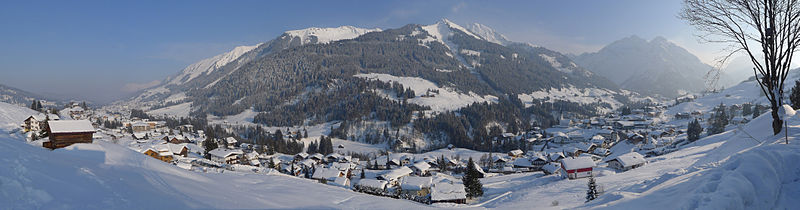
[67, 132]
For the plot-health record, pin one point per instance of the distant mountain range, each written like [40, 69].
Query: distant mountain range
[655, 67]
[383, 77]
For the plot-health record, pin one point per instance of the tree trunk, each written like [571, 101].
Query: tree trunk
[777, 124]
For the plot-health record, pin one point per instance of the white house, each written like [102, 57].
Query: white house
[577, 167]
[229, 156]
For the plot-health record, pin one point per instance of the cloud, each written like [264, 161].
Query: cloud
[133, 87]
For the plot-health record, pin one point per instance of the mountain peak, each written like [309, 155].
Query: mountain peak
[659, 39]
[488, 34]
[452, 25]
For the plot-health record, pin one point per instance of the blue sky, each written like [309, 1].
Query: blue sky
[93, 49]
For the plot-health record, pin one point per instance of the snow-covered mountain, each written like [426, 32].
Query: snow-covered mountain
[649, 67]
[208, 65]
[207, 72]
[316, 76]
[327, 35]
[488, 34]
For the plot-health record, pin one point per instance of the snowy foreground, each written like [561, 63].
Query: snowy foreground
[743, 168]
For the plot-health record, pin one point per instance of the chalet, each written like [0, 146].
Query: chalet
[153, 152]
[405, 161]
[578, 167]
[556, 156]
[499, 162]
[341, 182]
[627, 161]
[301, 156]
[393, 175]
[624, 125]
[232, 142]
[32, 123]
[523, 163]
[683, 115]
[551, 168]
[538, 161]
[516, 153]
[421, 168]
[178, 149]
[186, 128]
[419, 186]
[371, 185]
[325, 175]
[67, 132]
[228, 156]
[139, 127]
[333, 157]
[316, 157]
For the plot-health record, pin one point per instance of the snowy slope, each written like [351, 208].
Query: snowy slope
[109, 176]
[738, 173]
[208, 65]
[442, 31]
[725, 171]
[179, 110]
[745, 92]
[326, 35]
[581, 96]
[446, 100]
[11, 116]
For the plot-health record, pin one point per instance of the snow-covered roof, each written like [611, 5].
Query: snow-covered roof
[374, 183]
[317, 156]
[523, 162]
[422, 166]
[326, 173]
[396, 173]
[631, 158]
[448, 191]
[516, 152]
[70, 126]
[231, 140]
[577, 163]
[551, 167]
[415, 183]
[222, 152]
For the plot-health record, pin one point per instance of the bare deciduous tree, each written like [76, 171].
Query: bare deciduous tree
[770, 26]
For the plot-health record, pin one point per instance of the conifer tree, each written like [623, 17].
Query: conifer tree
[794, 97]
[592, 193]
[472, 184]
[719, 120]
[694, 130]
[756, 111]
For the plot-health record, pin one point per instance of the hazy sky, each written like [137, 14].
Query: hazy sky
[95, 49]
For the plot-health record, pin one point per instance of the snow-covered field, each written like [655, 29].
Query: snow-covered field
[446, 100]
[577, 95]
[178, 110]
